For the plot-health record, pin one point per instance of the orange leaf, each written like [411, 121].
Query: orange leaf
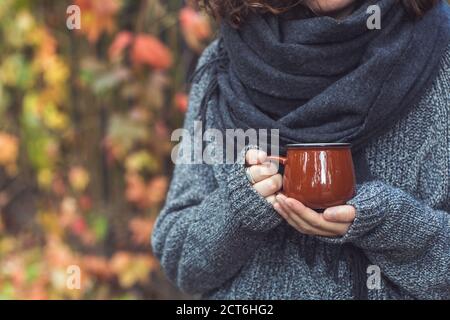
[156, 190]
[97, 266]
[9, 149]
[150, 51]
[122, 40]
[141, 230]
[136, 189]
[195, 23]
[97, 17]
[181, 102]
[195, 27]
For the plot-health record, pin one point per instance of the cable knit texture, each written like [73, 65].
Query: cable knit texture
[217, 237]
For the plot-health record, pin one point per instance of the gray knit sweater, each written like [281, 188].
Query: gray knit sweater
[216, 236]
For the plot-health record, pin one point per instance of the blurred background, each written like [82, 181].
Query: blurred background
[85, 123]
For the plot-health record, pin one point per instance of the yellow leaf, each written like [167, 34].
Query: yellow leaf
[45, 178]
[79, 178]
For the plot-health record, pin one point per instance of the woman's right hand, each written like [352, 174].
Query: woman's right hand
[266, 179]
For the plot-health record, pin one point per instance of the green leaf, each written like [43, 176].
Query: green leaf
[99, 225]
[32, 272]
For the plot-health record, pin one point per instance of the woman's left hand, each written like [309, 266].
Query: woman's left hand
[334, 222]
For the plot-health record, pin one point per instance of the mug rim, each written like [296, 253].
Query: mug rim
[319, 145]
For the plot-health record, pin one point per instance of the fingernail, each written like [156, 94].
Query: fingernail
[280, 197]
[262, 156]
[330, 213]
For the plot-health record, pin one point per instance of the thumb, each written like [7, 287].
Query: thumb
[345, 214]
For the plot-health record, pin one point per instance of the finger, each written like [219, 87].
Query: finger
[282, 211]
[281, 198]
[269, 186]
[271, 199]
[297, 222]
[302, 226]
[263, 171]
[255, 156]
[314, 219]
[340, 214]
[278, 208]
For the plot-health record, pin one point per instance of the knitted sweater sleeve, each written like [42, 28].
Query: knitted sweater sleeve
[208, 229]
[403, 235]
[408, 240]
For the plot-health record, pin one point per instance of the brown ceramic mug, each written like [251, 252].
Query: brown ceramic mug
[319, 175]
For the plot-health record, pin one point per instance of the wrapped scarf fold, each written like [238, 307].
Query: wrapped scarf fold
[325, 80]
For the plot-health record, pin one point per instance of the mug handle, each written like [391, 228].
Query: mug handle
[281, 160]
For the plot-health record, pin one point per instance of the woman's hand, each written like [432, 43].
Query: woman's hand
[334, 222]
[263, 174]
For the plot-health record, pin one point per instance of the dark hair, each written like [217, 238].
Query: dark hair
[235, 11]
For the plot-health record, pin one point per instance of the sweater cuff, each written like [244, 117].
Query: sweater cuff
[255, 212]
[372, 204]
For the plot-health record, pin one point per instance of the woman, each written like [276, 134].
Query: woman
[318, 72]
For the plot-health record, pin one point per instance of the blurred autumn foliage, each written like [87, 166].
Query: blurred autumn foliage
[85, 124]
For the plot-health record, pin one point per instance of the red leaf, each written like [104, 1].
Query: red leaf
[85, 203]
[79, 226]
